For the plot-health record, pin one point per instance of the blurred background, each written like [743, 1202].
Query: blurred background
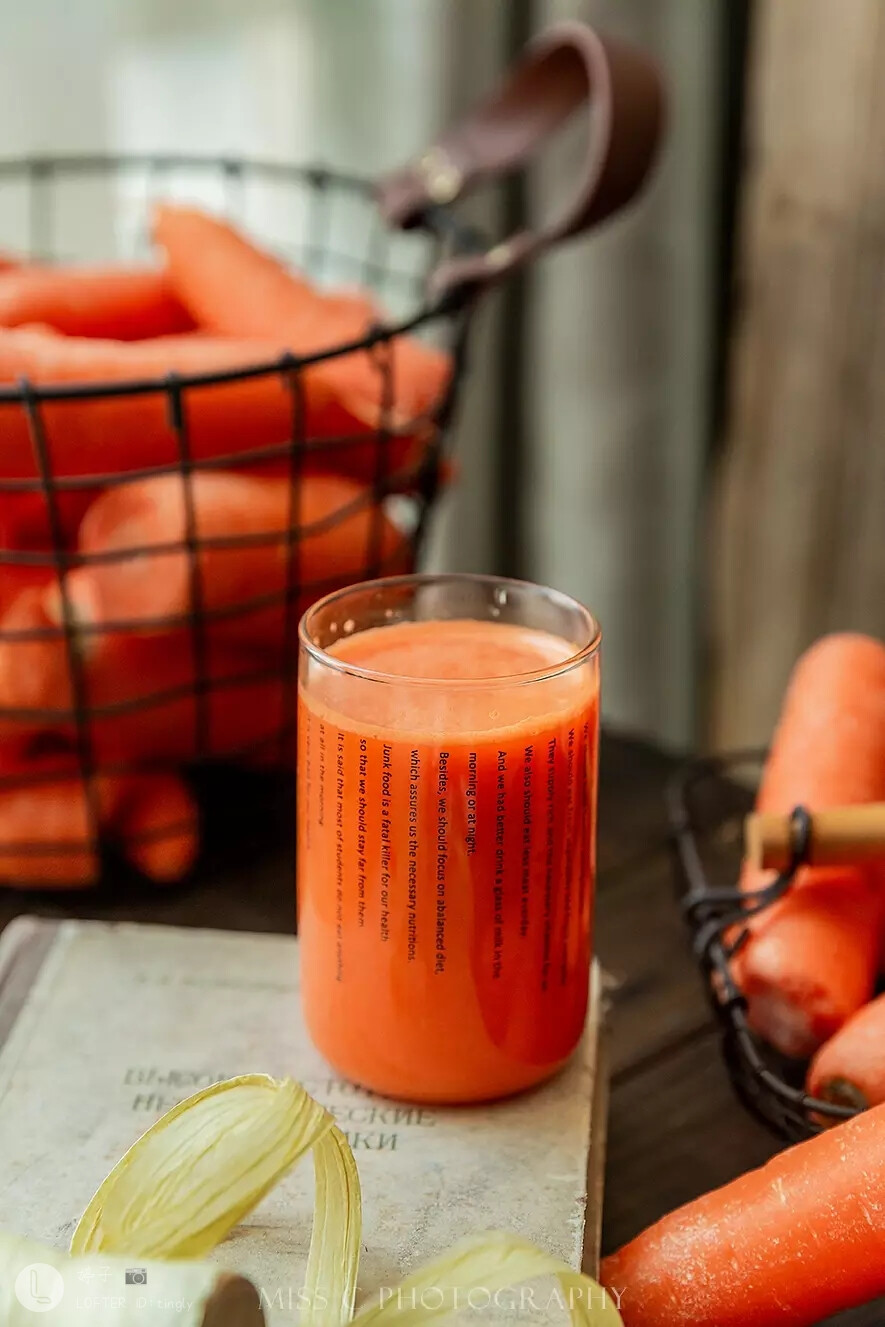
[675, 420]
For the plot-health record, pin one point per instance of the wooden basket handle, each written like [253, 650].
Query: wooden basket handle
[839, 836]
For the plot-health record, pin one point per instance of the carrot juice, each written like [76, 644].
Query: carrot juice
[447, 759]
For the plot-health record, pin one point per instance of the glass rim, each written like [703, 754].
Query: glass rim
[322, 656]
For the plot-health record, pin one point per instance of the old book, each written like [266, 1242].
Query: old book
[103, 1027]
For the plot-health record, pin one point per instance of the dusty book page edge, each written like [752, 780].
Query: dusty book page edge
[32, 953]
[24, 945]
[586, 1248]
[21, 937]
[596, 1157]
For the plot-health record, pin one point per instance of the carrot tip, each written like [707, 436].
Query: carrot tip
[841, 1092]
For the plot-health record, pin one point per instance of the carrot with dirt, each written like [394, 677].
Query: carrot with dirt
[786, 1245]
[341, 530]
[122, 303]
[811, 964]
[850, 1069]
[232, 287]
[810, 961]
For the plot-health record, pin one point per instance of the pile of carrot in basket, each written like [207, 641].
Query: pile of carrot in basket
[116, 627]
[802, 1237]
[810, 967]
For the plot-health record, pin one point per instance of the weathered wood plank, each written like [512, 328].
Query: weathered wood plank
[631, 806]
[658, 997]
[675, 1131]
[798, 512]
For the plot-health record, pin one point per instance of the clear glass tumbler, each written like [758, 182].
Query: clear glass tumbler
[447, 769]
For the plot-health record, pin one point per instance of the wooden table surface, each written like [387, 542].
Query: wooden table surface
[675, 1128]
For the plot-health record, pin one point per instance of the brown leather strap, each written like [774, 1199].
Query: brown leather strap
[567, 66]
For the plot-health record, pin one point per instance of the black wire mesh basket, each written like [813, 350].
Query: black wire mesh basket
[706, 805]
[65, 739]
[134, 696]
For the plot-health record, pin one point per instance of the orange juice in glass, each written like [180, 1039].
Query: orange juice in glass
[447, 769]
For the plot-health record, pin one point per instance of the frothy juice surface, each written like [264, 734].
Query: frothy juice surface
[446, 857]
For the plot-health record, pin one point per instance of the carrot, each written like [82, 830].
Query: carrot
[135, 717]
[850, 1068]
[336, 515]
[33, 662]
[785, 1246]
[234, 288]
[810, 966]
[830, 739]
[124, 303]
[810, 962]
[205, 255]
[139, 694]
[15, 578]
[117, 433]
[26, 519]
[157, 827]
[50, 822]
[46, 828]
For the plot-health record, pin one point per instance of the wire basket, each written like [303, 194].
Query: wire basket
[401, 240]
[706, 805]
[392, 264]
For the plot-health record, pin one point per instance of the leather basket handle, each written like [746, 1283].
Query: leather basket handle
[566, 67]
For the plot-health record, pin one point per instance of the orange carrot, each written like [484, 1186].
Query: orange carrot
[139, 693]
[810, 965]
[50, 824]
[830, 738]
[33, 663]
[26, 521]
[850, 1068]
[15, 578]
[98, 436]
[336, 515]
[205, 255]
[234, 288]
[46, 828]
[158, 827]
[134, 717]
[124, 303]
[810, 962]
[783, 1246]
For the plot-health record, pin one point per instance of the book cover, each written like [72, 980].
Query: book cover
[103, 1027]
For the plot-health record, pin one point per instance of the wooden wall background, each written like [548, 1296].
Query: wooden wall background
[796, 541]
